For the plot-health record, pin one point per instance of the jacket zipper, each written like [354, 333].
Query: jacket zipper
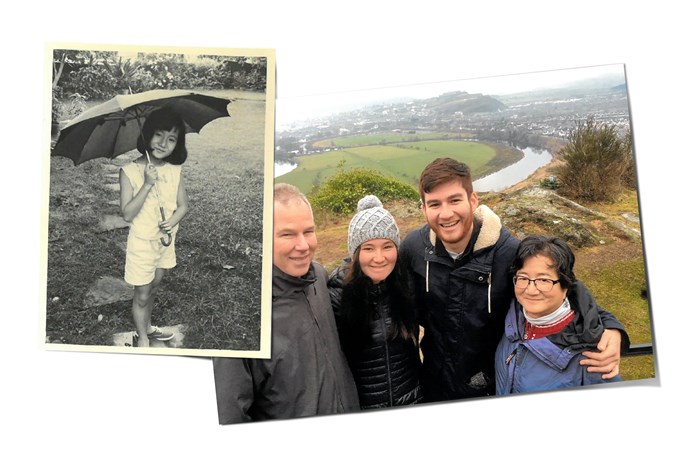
[386, 354]
[489, 293]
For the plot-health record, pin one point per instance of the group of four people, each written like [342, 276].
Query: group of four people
[498, 315]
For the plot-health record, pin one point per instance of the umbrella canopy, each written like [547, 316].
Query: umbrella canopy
[112, 128]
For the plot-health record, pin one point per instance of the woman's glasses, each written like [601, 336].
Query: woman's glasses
[542, 284]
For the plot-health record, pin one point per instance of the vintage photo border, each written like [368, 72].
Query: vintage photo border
[268, 175]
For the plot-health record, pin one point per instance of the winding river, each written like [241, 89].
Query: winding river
[513, 174]
[283, 168]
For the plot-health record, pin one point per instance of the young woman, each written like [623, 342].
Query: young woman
[148, 184]
[375, 313]
[552, 320]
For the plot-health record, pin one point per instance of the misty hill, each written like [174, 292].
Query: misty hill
[464, 102]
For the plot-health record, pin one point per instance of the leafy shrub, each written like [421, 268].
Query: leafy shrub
[629, 176]
[341, 193]
[67, 108]
[596, 162]
[93, 82]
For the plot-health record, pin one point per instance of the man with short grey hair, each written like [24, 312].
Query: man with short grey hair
[307, 373]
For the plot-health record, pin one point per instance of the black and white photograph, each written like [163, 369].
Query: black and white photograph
[157, 220]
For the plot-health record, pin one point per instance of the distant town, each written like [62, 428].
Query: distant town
[531, 119]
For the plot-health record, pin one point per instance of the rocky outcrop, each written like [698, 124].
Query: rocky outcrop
[536, 210]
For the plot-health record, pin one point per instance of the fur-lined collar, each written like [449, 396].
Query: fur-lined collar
[490, 228]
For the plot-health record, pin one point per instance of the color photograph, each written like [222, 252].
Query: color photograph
[460, 240]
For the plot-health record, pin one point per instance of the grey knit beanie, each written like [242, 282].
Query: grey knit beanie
[372, 221]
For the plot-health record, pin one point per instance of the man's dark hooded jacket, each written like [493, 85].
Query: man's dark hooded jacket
[307, 373]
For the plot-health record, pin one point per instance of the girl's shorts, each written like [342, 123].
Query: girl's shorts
[144, 256]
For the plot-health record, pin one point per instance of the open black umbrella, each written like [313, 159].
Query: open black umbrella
[113, 127]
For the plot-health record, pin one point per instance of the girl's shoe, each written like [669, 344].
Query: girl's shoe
[160, 335]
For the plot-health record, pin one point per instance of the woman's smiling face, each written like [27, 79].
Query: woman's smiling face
[535, 302]
[377, 259]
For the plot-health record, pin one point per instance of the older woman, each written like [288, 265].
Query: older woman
[552, 320]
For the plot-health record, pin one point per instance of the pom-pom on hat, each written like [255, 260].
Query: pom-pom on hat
[372, 221]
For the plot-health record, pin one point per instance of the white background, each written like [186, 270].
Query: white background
[60, 407]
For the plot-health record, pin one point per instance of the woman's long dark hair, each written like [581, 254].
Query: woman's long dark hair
[357, 310]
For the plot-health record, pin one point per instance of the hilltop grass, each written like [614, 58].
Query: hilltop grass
[401, 161]
[220, 305]
[616, 275]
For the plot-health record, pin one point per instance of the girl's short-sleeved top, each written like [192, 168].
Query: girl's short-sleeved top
[145, 224]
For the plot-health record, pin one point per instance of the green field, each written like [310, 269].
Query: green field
[403, 161]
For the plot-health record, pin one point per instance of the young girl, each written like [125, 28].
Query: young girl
[375, 314]
[146, 187]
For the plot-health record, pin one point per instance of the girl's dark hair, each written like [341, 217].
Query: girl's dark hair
[548, 246]
[356, 307]
[164, 119]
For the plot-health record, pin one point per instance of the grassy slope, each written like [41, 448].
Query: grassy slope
[224, 181]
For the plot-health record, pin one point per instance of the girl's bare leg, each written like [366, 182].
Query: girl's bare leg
[154, 285]
[141, 309]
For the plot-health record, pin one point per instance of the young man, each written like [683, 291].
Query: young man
[459, 261]
[307, 373]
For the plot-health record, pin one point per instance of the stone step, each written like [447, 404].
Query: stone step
[112, 222]
[107, 290]
[110, 167]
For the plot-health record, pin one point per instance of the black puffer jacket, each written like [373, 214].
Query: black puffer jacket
[386, 370]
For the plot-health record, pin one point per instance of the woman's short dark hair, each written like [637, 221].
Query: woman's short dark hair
[164, 119]
[549, 246]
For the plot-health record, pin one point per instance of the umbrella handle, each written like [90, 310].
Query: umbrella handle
[169, 240]
[164, 241]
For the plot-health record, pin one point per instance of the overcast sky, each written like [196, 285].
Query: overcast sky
[298, 107]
